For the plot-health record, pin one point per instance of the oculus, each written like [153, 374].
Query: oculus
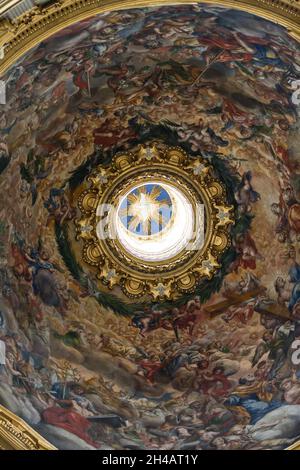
[147, 209]
[155, 222]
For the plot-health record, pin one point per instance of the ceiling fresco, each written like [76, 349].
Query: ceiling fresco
[205, 358]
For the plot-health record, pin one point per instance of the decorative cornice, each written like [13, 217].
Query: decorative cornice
[37, 24]
[16, 434]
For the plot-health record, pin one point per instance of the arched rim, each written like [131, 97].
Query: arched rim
[39, 24]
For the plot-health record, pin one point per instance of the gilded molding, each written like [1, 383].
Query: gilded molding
[182, 272]
[295, 446]
[34, 26]
[15, 434]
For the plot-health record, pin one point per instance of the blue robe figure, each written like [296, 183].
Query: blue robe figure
[255, 407]
[294, 278]
[264, 56]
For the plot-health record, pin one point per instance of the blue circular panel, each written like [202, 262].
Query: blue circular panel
[146, 210]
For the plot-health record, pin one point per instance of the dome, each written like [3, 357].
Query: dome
[149, 225]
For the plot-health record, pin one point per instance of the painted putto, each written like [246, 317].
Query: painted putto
[214, 368]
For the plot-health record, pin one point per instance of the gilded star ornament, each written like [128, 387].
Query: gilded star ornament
[199, 168]
[109, 275]
[161, 290]
[224, 215]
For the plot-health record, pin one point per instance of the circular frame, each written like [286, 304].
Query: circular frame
[182, 238]
[116, 266]
[113, 246]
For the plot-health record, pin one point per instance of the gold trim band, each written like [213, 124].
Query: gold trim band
[15, 434]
